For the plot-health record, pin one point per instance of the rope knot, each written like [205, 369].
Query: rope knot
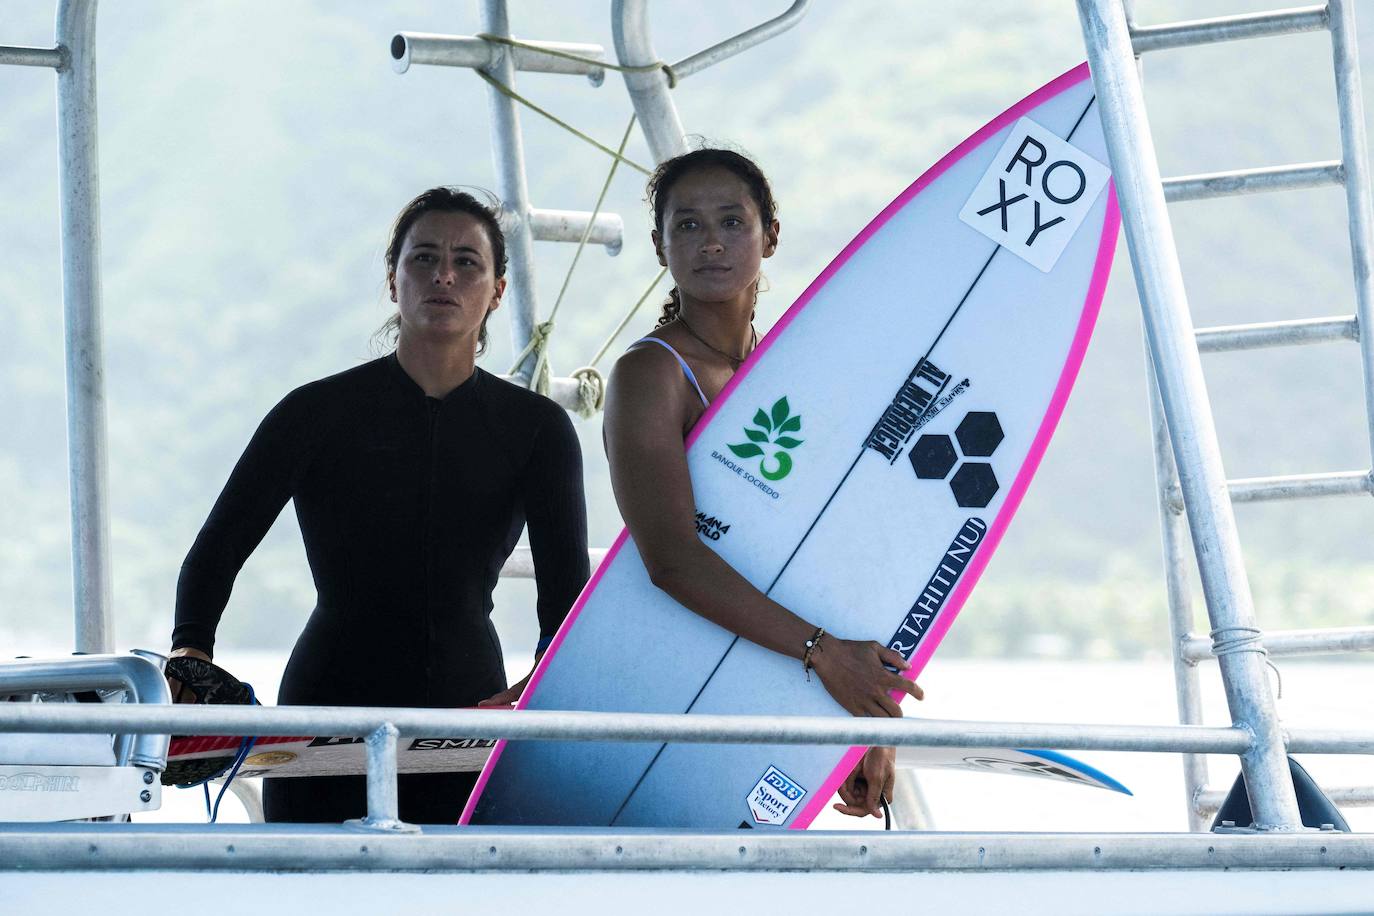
[1228, 640]
[591, 391]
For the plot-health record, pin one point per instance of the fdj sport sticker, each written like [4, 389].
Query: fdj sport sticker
[771, 440]
[1035, 195]
[774, 797]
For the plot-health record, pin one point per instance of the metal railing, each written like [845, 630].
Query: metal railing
[382, 726]
[73, 59]
[1177, 391]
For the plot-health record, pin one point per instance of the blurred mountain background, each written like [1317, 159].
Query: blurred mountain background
[253, 154]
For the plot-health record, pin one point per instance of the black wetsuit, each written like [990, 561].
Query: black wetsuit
[408, 506]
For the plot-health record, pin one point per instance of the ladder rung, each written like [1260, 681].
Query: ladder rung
[1209, 800]
[1194, 648]
[1229, 28]
[409, 48]
[1254, 181]
[568, 226]
[1300, 486]
[33, 57]
[1276, 334]
[1292, 486]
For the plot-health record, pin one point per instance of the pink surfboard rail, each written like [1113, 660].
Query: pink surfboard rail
[1078, 348]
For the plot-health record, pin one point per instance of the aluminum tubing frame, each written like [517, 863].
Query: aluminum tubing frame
[508, 155]
[1183, 392]
[528, 725]
[1174, 535]
[658, 117]
[322, 848]
[81, 298]
[141, 677]
[1359, 203]
[648, 91]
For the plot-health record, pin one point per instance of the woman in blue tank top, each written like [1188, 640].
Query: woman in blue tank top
[714, 223]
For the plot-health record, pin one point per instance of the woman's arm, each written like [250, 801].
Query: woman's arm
[646, 406]
[556, 517]
[258, 488]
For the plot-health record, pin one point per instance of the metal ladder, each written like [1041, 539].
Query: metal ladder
[653, 105]
[1187, 460]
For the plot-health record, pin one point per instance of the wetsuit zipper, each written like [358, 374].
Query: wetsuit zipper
[430, 486]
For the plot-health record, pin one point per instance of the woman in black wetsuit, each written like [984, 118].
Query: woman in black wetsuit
[413, 476]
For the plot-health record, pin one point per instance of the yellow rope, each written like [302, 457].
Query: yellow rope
[591, 384]
[539, 340]
[566, 55]
[626, 320]
[512, 94]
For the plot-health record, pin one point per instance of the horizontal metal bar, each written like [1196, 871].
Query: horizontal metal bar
[568, 226]
[1209, 800]
[1300, 486]
[318, 847]
[607, 726]
[55, 58]
[1330, 741]
[409, 48]
[139, 676]
[1226, 338]
[1291, 486]
[563, 391]
[1254, 181]
[1229, 28]
[1194, 648]
[741, 42]
[520, 564]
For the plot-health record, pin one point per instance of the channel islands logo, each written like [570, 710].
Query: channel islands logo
[772, 436]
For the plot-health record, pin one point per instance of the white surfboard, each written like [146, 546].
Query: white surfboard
[292, 757]
[860, 469]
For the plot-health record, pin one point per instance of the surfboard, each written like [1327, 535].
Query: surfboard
[860, 468]
[329, 756]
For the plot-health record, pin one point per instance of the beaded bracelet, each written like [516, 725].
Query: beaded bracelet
[811, 645]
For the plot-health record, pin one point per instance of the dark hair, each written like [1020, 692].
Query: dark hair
[670, 171]
[443, 200]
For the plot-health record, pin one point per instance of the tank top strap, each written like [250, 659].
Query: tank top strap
[686, 369]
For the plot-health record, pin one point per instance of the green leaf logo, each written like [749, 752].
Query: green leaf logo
[770, 429]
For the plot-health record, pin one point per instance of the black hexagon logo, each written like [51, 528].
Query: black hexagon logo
[979, 434]
[974, 484]
[932, 457]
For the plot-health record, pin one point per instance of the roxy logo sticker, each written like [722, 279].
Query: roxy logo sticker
[774, 797]
[1035, 195]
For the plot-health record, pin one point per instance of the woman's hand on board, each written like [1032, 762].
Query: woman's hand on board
[181, 693]
[869, 783]
[511, 695]
[859, 675]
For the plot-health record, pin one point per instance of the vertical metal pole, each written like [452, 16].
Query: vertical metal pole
[80, 193]
[1355, 157]
[1183, 390]
[383, 803]
[1174, 531]
[508, 152]
[1173, 527]
[383, 800]
[649, 94]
